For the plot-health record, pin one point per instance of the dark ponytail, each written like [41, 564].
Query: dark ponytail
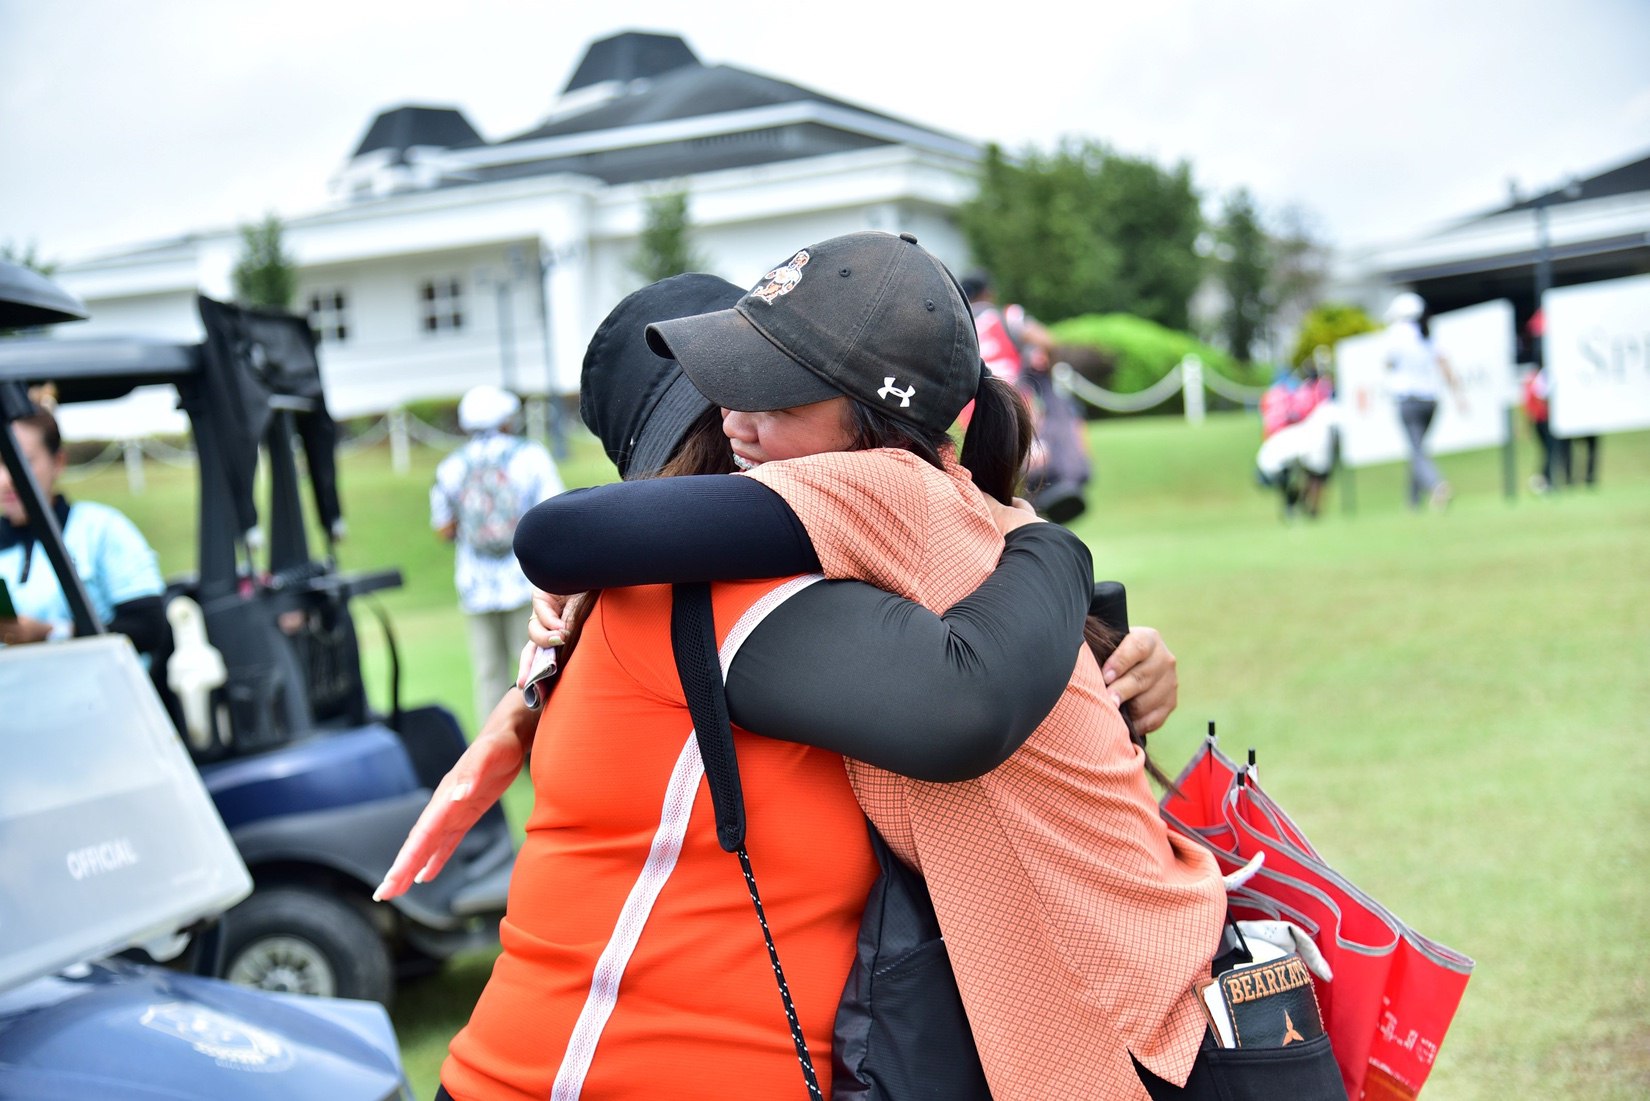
[998, 439]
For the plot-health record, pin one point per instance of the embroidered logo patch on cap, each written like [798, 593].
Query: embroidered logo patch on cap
[780, 280]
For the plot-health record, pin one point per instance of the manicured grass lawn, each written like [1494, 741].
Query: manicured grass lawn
[1451, 705]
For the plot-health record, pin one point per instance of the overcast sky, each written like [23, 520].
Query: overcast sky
[123, 121]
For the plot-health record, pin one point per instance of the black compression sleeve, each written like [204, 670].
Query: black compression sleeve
[712, 527]
[850, 668]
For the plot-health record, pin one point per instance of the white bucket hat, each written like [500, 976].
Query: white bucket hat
[1408, 306]
[486, 408]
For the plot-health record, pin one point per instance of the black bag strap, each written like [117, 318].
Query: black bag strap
[693, 641]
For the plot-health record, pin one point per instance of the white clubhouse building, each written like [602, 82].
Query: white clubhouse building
[444, 259]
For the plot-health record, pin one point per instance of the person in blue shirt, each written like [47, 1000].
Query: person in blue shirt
[116, 564]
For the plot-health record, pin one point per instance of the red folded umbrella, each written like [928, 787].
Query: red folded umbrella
[1394, 991]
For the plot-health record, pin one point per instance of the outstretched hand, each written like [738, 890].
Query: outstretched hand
[477, 781]
[1141, 673]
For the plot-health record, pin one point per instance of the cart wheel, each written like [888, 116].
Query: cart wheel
[301, 941]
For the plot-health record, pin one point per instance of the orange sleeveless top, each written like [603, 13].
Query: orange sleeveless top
[697, 1013]
[1076, 921]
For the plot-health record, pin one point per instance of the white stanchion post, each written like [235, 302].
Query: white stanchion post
[400, 455]
[536, 414]
[1191, 385]
[132, 452]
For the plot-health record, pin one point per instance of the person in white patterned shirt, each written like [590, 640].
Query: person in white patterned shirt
[492, 591]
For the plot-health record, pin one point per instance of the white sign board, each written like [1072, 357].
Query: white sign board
[1477, 342]
[1598, 356]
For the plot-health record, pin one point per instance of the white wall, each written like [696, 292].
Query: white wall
[378, 253]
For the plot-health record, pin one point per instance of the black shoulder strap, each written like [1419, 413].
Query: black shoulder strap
[693, 639]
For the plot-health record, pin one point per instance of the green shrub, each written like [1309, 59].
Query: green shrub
[1140, 352]
[1326, 324]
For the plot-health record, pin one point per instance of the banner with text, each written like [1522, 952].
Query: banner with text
[1477, 342]
[1598, 356]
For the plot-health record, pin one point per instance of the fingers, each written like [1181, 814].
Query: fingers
[439, 860]
[399, 877]
[547, 610]
[524, 664]
[547, 637]
[435, 821]
[1142, 672]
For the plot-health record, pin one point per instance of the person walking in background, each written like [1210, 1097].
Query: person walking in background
[481, 491]
[1415, 366]
[1019, 350]
[1298, 426]
[1534, 389]
[1556, 451]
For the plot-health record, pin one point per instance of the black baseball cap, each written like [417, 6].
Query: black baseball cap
[639, 405]
[871, 315]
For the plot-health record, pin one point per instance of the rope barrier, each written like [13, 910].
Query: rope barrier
[162, 452]
[431, 436]
[89, 467]
[1067, 379]
[1233, 391]
[1154, 395]
[372, 437]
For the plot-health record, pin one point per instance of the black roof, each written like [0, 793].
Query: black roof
[1626, 179]
[689, 92]
[659, 80]
[401, 128]
[630, 55]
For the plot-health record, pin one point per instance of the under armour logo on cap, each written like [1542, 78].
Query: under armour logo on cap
[890, 390]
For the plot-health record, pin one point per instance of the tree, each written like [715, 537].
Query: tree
[27, 256]
[664, 248]
[1324, 325]
[265, 274]
[1086, 230]
[1300, 267]
[1245, 267]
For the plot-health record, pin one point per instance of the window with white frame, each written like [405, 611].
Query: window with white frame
[441, 304]
[329, 315]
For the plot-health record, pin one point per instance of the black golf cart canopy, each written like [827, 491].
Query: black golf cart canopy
[249, 389]
[29, 298]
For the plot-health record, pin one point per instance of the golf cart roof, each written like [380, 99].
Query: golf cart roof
[256, 373]
[98, 368]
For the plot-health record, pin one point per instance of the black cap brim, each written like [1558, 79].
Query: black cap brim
[734, 365]
[675, 412]
[639, 406]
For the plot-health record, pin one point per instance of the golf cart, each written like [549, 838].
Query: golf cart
[112, 845]
[264, 682]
